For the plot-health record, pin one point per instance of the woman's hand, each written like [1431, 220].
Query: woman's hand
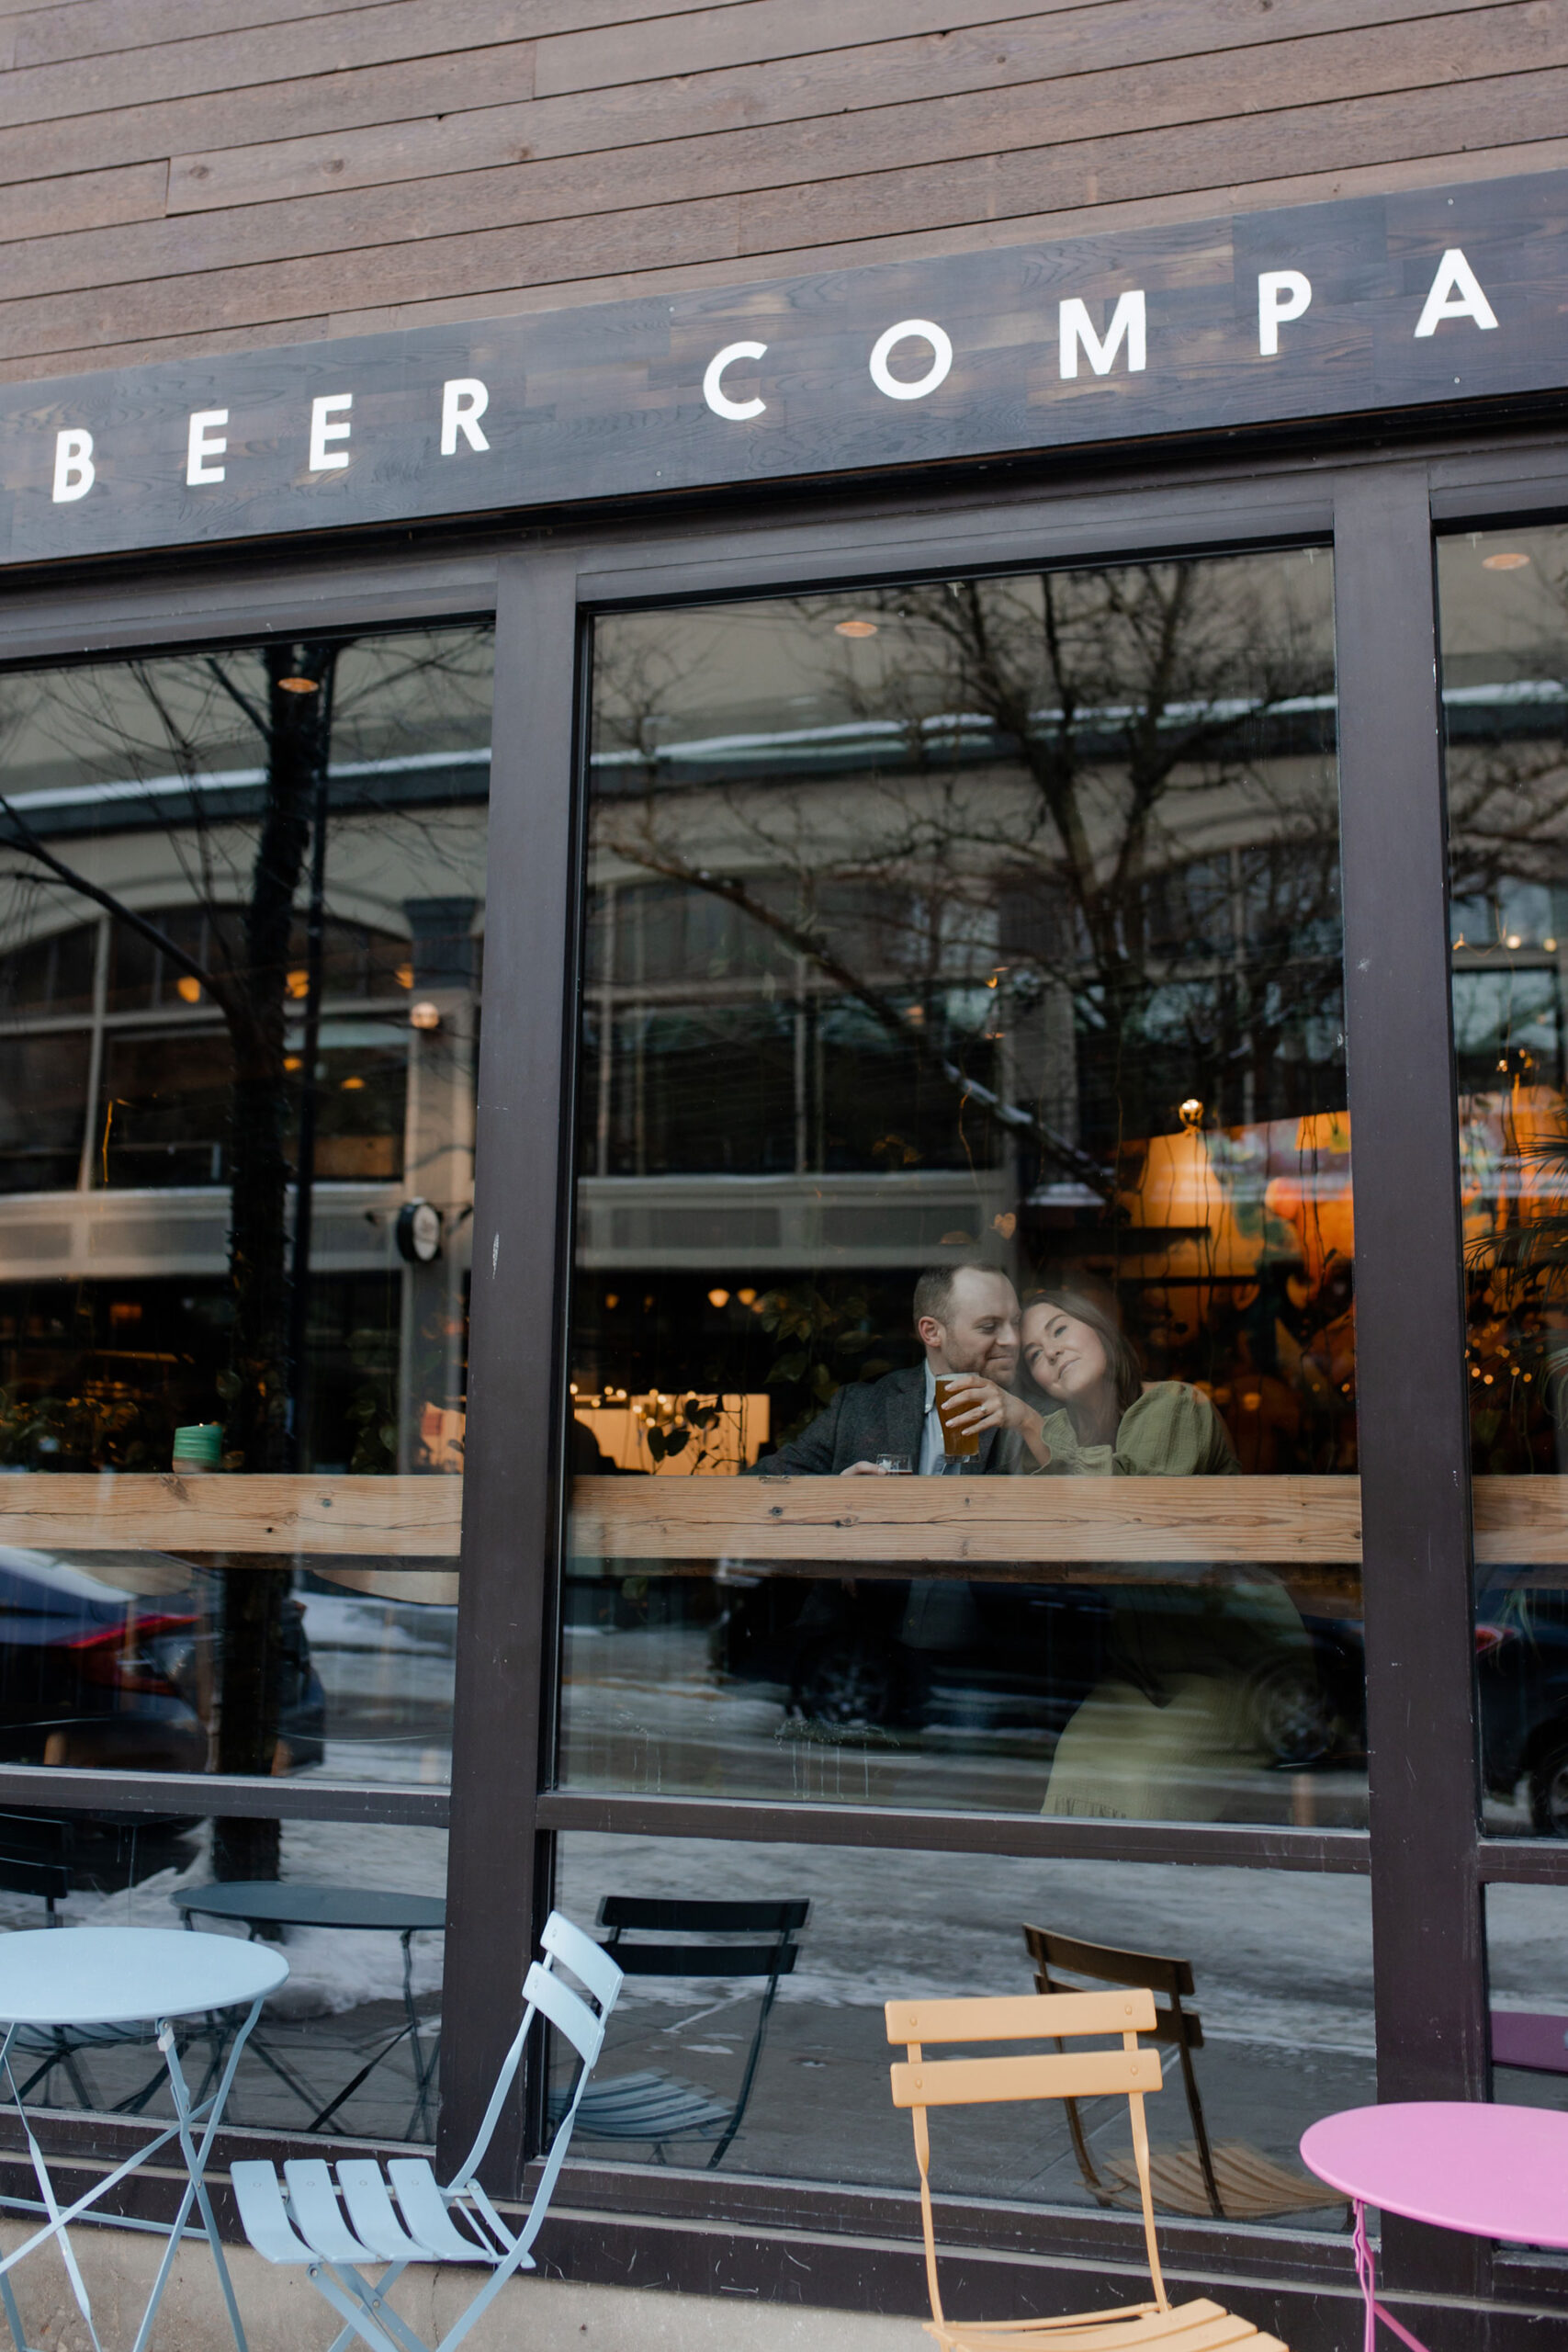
[982, 1405]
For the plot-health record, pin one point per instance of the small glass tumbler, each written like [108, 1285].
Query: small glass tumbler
[896, 1466]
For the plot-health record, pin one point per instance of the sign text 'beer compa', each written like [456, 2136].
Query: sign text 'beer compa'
[1377, 305]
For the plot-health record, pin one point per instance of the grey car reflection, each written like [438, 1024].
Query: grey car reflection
[890, 1655]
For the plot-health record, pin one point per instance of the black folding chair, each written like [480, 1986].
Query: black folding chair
[660, 2108]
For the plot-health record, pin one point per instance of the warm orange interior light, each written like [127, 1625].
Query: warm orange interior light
[404, 976]
[300, 685]
[719, 1298]
[299, 984]
[1509, 560]
[747, 1297]
[353, 1085]
[292, 1061]
[854, 628]
[187, 989]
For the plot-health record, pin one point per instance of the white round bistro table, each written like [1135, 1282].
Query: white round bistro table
[97, 1976]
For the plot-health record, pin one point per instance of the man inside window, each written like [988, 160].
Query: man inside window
[967, 1317]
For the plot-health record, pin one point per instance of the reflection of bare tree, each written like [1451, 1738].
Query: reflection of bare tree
[182, 730]
[1102, 790]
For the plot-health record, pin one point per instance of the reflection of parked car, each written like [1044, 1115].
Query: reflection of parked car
[875, 1654]
[114, 1666]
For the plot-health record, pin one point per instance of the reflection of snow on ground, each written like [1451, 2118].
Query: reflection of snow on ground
[1280, 1957]
[387, 1668]
[345, 1621]
[331, 1970]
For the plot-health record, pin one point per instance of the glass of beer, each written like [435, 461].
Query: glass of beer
[951, 1397]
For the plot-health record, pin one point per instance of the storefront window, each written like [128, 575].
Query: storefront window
[963, 993]
[1505, 640]
[1527, 1987]
[351, 2020]
[241, 926]
[1274, 1967]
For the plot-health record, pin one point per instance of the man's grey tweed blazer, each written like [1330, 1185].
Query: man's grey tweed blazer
[883, 1415]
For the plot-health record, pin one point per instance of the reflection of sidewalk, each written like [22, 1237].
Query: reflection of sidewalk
[820, 2109]
[1282, 1961]
[641, 1709]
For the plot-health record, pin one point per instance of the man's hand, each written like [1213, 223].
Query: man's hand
[865, 1470]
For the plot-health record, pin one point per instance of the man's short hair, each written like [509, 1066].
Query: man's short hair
[933, 1286]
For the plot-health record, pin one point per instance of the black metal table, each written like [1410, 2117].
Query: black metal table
[282, 1902]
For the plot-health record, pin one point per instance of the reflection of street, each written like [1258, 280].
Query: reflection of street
[642, 1710]
[1282, 1963]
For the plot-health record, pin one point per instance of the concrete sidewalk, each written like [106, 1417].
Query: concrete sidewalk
[282, 2313]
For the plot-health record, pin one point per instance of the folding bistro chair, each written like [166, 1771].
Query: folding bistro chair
[920, 2083]
[658, 2107]
[300, 2221]
[1227, 2181]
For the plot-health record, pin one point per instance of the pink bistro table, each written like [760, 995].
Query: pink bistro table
[1495, 2172]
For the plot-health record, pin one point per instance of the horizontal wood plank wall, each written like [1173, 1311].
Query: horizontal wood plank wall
[179, 176]
[1018, 1525]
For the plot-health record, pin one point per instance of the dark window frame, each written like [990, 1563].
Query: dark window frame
[1425, 1858]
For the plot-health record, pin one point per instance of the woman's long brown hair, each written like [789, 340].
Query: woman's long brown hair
[1121, 1356]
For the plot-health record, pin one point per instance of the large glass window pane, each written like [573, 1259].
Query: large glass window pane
[360, 2013]
[43, 1110]
[1505, 679]
[963, 993]
[1528, 1986]
[1277, 1976]
[241, 929]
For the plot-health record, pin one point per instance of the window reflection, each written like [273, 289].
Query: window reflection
[1504, 681]
[238, 997]
[1279, 1968]
[988, 932]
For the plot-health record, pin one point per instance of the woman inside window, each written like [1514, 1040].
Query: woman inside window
[1181, 1716]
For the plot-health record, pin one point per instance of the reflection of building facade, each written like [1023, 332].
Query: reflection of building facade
[119, 1064]
[600, 770]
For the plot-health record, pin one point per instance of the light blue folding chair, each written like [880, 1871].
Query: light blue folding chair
[301, 2220]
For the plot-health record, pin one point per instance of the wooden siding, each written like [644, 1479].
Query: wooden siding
[183, 177]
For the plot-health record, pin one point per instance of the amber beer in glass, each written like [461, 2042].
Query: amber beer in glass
[951, 1397]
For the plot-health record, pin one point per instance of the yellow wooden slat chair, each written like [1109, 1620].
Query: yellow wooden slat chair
[919, 2083]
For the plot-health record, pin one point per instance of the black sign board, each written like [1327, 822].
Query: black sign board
[1375, 305]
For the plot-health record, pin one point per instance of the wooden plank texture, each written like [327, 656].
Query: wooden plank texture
[407, 1518]
[398, 156]
[984, 1520]
[982, 126]
[1037, 50]
[1291, 1521]
[677, 175]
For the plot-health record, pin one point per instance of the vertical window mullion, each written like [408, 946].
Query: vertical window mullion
[510, 1482]
[1414, 1431]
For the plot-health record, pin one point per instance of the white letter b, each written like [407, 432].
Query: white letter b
[74, 472]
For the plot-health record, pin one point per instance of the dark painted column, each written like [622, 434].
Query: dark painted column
[1430, 1962]
[510, 1492]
